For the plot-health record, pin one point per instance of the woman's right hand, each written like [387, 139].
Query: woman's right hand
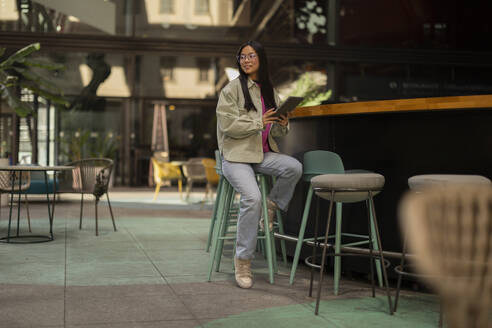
[268, 117]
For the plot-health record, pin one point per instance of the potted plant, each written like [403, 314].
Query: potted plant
[18, 71]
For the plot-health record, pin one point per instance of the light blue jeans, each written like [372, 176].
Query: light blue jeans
[242, 177]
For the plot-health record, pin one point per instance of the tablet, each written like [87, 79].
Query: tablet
[288, 105]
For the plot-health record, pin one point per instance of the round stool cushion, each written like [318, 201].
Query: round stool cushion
[349, 188]
[418, 182]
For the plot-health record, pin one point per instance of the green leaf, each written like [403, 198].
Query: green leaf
[20, 54]
[43, 64]
[21, 108]
[2, 51]
[30, 75]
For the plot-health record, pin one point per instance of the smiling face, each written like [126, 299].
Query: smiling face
[250, 64]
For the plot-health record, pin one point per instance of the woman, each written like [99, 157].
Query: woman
[246, 126]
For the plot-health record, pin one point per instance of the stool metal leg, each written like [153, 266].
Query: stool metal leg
[375, 247]
[402, 263]
[218, 227]
[214, 215]
[323, 256]
[271, 257]
[338, 242]
[223, 228]
[282, 242]
[369, 235]
[280, 223]
[381, 256]
[300, 238]
[316, 245]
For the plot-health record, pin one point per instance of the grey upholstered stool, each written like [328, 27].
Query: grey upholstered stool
[418, 183]
[348, 188]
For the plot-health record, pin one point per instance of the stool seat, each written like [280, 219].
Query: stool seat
[353, 187]
[418, 182]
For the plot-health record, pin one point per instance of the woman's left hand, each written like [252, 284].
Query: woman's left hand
[284, 120]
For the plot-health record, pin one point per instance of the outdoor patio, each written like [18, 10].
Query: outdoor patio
[152, 273]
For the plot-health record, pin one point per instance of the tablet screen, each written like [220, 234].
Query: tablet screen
[288, 105]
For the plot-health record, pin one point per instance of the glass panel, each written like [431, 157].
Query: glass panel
[422, 24]
[439, 24]
[112, 99]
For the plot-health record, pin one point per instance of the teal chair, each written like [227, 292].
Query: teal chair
[319, 162]
[224, 219]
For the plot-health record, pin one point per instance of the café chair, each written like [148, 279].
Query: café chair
[417, 184]
[6, 181]
[89, 176]
[164, 172]
[348, 188]
[194, 172]
[449, 231]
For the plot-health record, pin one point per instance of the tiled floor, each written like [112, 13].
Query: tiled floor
[152, 273]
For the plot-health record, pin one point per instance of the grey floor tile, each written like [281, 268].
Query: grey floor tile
[82, 280]
[233, 303]
[194, 278]
[31, 311]
[127, 290]
[165, 244]
[112, 269]
[125, 309]
[33, 273]
[144, 324]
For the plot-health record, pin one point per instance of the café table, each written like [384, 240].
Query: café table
[17, 170]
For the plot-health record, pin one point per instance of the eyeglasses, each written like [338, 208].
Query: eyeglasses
[251, 56]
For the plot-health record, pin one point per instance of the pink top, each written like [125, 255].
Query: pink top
[264, 134]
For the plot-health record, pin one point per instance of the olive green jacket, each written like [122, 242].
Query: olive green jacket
[239, 131]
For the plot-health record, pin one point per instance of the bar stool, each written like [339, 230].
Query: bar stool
[316, 163]
[418, 183]
[349, 188]
[223, 221]
[220, 187]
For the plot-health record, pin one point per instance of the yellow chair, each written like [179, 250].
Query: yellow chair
[164, 171]
[210, 174]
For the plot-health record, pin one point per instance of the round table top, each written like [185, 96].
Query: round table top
[35, 168]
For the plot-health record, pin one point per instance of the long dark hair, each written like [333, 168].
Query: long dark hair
[263, 75]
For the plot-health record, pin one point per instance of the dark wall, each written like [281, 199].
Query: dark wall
[396, 145]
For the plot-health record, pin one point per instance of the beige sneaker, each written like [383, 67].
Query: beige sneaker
[272, 210]
[244, 278]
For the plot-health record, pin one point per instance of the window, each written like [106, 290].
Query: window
[167, 7]
[203, 68]
[201, 7]
[167, 68]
